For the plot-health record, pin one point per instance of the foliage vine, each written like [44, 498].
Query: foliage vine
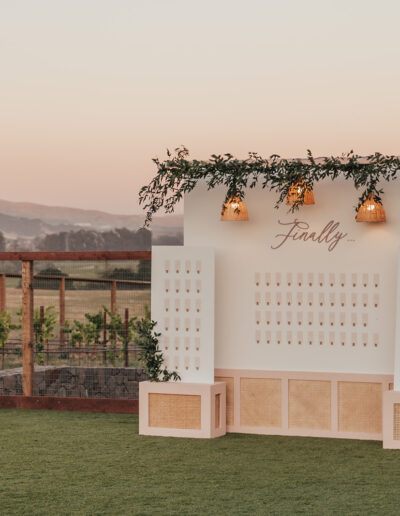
[178, 175]
[150, 353]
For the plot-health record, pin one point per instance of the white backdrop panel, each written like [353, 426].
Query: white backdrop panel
[310, 291]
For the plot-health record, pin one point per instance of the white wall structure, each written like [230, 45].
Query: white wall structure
[182, 303]
[310, 291]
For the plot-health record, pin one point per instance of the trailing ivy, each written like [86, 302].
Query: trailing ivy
[150, 353]
[178, 175]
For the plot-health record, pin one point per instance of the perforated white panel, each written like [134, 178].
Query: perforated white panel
[182, 302]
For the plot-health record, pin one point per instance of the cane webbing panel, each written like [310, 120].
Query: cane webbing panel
[396, 421]
[360, 407]
[310, 404]
[261, 402]
[229, 398]
[175, 411]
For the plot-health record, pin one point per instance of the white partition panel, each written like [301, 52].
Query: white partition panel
[182, 303]
[397, 333]
[309, 291]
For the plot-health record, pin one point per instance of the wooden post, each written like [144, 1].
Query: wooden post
[112, 310]
[2, 308]
[113, 297]
[62, 312]
[126, 327]
[2, 292]
[105, 337]
[41, 321]
[27, 328]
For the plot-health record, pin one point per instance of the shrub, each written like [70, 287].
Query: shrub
[150, 353]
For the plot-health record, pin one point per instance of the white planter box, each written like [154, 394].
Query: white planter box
[177, 409]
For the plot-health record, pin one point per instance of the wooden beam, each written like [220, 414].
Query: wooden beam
[27, 328]
[2, 292]
[113, 292]
[75, 255]
[79, 278]
[119, 406]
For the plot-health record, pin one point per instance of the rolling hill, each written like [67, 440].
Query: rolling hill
[30, 220]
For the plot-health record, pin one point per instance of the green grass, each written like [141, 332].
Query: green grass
[75, 463]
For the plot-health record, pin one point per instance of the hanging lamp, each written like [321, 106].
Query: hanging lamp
[371, 211]
[234, 210]
[297, 191]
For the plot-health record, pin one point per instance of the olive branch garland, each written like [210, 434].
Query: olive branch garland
[178, 175]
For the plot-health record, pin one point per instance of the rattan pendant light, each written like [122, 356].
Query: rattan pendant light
[296, 192]
[234, 210]
[371, 211]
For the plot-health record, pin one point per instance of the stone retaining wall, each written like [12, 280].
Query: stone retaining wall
[80, 382]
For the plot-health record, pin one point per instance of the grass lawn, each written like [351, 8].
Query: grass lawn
[75, 463]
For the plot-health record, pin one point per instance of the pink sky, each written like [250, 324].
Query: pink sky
[91, 90]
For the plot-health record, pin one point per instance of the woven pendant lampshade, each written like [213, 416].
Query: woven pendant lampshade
[295, 192]
[235, 209]
[371, 211]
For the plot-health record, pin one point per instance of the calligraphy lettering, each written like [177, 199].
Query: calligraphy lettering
[300, 230]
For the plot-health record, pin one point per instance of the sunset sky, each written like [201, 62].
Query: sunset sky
[92, 90]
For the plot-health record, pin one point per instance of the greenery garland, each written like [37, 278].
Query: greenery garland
[178, 175]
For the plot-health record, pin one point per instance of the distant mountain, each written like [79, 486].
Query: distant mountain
[14, 227]
[29, 220]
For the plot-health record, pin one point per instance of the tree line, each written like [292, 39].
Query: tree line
[119, 239]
